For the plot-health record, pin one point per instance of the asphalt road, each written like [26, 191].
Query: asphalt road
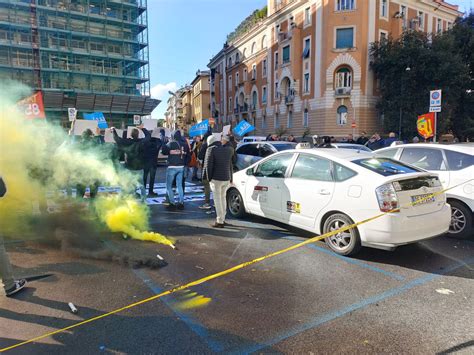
[417, 299]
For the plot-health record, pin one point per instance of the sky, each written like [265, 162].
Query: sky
[185, 34]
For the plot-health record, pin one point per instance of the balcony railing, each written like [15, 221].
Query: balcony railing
[289, 99]
[339, 92]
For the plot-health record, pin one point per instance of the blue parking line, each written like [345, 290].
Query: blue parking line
[351, 261]
[321, 320]
[200, 330]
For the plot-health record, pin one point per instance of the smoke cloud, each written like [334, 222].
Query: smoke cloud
[38, 159]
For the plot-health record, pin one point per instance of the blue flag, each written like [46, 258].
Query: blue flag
[198, 129]
[242, 128]
[97, 116]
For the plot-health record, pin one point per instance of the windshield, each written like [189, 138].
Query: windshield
[385, 166]
[281, 147]
[355, 147]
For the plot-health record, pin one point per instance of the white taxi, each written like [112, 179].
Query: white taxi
[326, 189]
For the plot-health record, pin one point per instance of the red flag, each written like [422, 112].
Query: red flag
[32, 106]
[425, 125]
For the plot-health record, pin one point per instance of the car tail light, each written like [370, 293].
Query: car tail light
[387, 197]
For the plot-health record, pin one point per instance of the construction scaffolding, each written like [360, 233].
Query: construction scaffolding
[77, 47]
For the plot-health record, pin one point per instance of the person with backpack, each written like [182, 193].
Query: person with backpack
[134, 150]
[10, 285]
[178, 154]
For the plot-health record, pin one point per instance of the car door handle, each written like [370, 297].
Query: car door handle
[324, 192]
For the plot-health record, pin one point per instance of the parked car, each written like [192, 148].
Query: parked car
[324, 190]
[454, 163]
[352, 146]
[254, 139]
[251, 152]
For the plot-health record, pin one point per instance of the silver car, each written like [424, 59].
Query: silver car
[251, 152]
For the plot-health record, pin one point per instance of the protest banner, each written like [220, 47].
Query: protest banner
[96, 116]
[150, 123]
[242, 128]
[131, 128]
[82, 125]
[226, 130]
[32, 106]
[199, 129]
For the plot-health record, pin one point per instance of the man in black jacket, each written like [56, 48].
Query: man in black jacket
[10, 285]
[150, 163]
[218, 169]
[134, 149]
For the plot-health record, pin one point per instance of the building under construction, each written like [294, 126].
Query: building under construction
[91, 55]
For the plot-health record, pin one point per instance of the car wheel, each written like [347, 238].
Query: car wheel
[343, 243]
[235, 203]
[461, 221]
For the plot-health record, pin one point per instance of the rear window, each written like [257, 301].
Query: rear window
[385, 166]
[458, 161]
[281, 147]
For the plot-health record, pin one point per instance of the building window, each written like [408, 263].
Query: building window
[254, 71]
[230, 62]
[230, 82]
[289, 123]
[276, 61]
[306, 83]
[343, 78]
[421, 20]
[307, 16]
[286, 54]
[236, 78]
[342, 115]
[277, 94]
[264, 42]
[230, 103]
[277, 121]
[264, 122]
[384, 8]
[439, 26]
[245, 75]
[307, 48]
[305, 118]
[237, 57]
[403, 14]
[254, 100]
[345, 37]
[264, 95]
[345, 5]
[383, 36]
[264, 68]
[254, 47]
[450, 25]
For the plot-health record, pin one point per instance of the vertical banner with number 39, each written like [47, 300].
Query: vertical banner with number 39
[32, 106]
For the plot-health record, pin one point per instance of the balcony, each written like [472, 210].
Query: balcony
[289, 99]
[244, 108]
[253, 108]
[342, 92]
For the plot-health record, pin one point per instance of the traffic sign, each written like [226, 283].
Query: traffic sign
[435, 98]
[72, 113]
[353, 125]
[435, 108]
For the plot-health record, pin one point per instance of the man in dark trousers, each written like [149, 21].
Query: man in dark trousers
[10, 285]
[218, 169]
[150, 163]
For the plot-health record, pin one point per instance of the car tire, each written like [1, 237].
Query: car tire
[461, 221]
[235, 203]
[346, 243]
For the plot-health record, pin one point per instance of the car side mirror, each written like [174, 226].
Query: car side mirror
[249, 172]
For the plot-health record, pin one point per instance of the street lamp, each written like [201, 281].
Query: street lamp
[407, 69]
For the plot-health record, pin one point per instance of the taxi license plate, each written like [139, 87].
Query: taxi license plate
[422, 199]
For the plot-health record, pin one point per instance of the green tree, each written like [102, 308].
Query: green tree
[409, 67]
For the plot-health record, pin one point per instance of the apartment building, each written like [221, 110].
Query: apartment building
[178, 112]
[201, 107]
[87, 54]
[304, 69]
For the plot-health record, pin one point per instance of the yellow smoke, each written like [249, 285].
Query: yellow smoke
[38, 158]
[129, 217]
